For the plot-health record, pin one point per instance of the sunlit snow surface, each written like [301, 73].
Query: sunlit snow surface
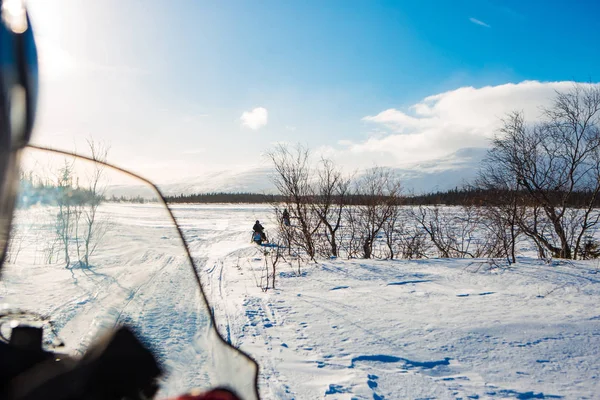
[339, 329]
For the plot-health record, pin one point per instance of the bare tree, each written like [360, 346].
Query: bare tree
[292, 179]
[77, 220]
[452, 232]
[552, 160]
[66, 209]
[502, 212]
[378, 194]
[94, 229]
[351, 239]
[332, 190]
[412, 240]
[392, 230]
[275, 256]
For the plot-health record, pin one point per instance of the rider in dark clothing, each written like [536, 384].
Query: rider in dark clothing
[286, 217]
[260, 229]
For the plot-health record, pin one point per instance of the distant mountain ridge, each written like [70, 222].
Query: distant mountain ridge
[425, 177]
[443, 174]
[256, 180]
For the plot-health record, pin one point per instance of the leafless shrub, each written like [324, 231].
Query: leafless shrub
[273, 257]
[392, 230]
[412, 241]
[378, 194]
[549, 162]
[330, 201]
[292, 179]
[66, 209]
[454, 235]
[94, 228]
[78, 228]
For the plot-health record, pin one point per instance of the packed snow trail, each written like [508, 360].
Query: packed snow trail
[365, 329]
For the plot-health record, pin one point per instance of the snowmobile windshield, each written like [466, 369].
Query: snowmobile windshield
[94, 247]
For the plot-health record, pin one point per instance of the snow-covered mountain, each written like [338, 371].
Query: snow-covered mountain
[256, 180]
[252, 181]
[440, 174]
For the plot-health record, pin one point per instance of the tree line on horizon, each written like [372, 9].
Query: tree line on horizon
[463, 196]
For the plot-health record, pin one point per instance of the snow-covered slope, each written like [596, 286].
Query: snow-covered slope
[442, 174]
[251, 181]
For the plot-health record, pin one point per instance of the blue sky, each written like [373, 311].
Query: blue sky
[166, 82]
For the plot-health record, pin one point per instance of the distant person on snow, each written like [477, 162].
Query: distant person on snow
[259, 229]
[286, 217]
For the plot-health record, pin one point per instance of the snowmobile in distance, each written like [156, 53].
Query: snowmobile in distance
[259, 238]
[258, 234]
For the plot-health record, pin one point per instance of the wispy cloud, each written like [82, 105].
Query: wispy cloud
[255, 119]
[479, 22]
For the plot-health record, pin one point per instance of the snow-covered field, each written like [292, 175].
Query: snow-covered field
[359, 329]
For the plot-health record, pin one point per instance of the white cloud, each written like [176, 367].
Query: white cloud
[255, 119]
[479, 22]
[442, 124]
